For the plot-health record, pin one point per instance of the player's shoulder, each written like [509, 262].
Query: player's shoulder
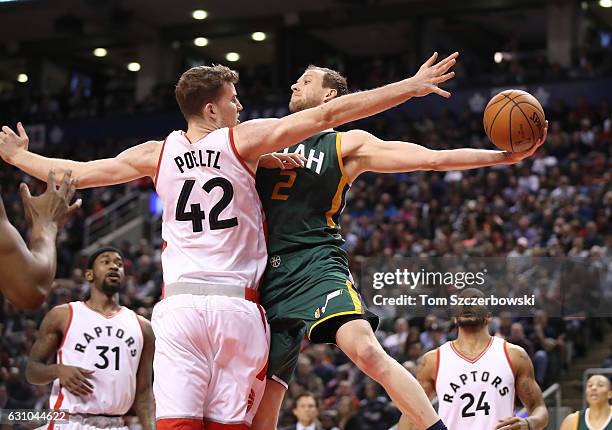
[58, 317]
[145, 325]
[519, 359]
[352, 140]
[429, 361]
[516, 350]
[570, 421]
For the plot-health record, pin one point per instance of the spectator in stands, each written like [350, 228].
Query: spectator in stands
[376, 412]
[517, 337]
[306, 412]
[347, 414]
[548, 342]
[394, 342]
[432, 337]
[306, 377]
[505, 325]
[329, 420]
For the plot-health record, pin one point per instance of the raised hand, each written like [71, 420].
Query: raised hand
[53, 206]
[431, 74]
[11, 143]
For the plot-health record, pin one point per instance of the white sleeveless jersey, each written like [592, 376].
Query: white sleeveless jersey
[213, 221]
[475, 393]
[111, 347]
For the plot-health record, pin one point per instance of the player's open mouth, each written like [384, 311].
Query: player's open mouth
[113, 276]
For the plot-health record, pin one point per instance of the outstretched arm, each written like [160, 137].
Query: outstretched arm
[28, 287]
[426, 374]
[133, 163]
[254, 138]
[528, 390]
[364, 152]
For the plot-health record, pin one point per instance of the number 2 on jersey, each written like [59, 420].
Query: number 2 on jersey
[196, 215]
[276, 195]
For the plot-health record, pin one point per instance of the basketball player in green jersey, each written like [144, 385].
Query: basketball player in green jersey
[598, 416]
[307, 288]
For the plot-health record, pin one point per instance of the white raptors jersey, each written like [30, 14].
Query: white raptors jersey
[475, 394]
[213, 222]
[111, 347]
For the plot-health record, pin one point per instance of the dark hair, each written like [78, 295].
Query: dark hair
[332, 79]
[96, 254]
[305, 394]
[200, 85]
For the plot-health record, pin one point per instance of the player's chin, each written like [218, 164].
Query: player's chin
[112, 285]
[470, 321]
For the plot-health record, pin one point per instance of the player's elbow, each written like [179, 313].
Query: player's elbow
[25, 297]
[433, 160]
[30, 374]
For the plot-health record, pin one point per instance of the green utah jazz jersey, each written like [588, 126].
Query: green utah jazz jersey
[303, 205]
[582, 423]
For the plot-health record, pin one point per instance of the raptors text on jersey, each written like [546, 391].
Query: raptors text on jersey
[475, 393]
[111, 346]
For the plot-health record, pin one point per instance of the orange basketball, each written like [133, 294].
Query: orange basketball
[514, 120]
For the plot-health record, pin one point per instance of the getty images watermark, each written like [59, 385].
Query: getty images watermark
[424, 278]
[561, 287]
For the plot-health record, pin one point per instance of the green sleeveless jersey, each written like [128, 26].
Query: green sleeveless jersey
[303, 205]
[582, 424]
[302, 208]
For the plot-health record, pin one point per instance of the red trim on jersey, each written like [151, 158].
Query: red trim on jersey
[508, 358]
[140, 327]
[60, 395]
[59, 349]
[251, 295]
[180, 424]
[437, 367]
[159, 160]
[164, 246]
[478, 357]
[263, 316]
[211, 425]
[186, 137]
[264, 222]
[233, 145]
[100, 313]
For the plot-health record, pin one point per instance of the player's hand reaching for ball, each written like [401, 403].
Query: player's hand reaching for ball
[53, 206]
[280, 160]
[432, 74]
[515, 157]
[12, 143]
[75, 379]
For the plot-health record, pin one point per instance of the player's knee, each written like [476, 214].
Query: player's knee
[369, 356]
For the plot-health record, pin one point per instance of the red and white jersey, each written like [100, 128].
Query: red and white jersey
[475, 393]
[110, 346]
[213, 221]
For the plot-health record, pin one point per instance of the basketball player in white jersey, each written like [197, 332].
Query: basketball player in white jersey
[104, 354]
[477, 377]
[212, 341]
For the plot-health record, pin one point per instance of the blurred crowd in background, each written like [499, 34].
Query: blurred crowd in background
[558, 204]
[96, 96]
